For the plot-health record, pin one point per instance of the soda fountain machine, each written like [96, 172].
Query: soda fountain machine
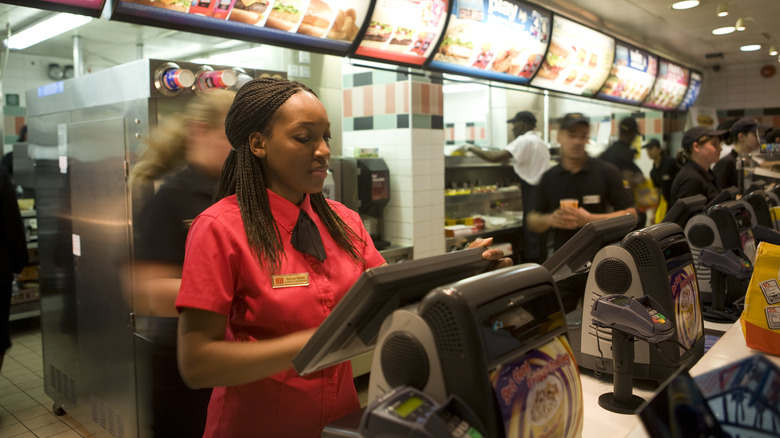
[85, 134]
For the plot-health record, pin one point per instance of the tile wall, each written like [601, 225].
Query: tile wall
[401, 116]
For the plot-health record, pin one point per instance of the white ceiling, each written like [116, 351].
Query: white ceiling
[684, 36]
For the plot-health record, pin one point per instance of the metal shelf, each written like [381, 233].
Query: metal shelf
[470, 161]
[482, 197]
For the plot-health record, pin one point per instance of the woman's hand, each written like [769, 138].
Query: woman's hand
[496, 255]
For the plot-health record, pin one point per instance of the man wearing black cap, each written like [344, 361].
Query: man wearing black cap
[744, 133]
[530, 158]
[663, 172]
[701, 148]
[595, 185]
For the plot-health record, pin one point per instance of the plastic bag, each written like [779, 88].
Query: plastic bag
[760, 319]
[645, 195]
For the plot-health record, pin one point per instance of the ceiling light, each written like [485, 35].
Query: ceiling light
[43, 30]
[750, 47]
[723, 30]
[685, 4]
[740, 26]
[773, 51]
[723, 10]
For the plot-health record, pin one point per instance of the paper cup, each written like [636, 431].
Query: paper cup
[570, 203]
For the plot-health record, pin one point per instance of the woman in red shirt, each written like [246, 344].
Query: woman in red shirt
[256, 283]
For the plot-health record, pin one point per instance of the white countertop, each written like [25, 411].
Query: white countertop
[600, 423]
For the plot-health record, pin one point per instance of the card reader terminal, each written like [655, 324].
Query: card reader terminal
[408, 412]
[642, 317]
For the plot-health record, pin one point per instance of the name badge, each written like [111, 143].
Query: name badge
[290, 280]
[591, 199]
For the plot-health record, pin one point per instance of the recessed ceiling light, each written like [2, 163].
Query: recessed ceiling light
[685, 4]
[723, 30]
[773, 51]
[723, 10]
[750, 48]
[740, 24]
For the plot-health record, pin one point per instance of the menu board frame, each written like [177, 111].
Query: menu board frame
[626, 101]
[646, 104]
[62, 7]
[596, 86]
[127, 11]
[354, 52]
[452, 68]
[681, 108]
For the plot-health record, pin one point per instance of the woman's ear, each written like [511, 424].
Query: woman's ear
[257, 143]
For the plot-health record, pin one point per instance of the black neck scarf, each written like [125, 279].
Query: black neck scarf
[306, 237]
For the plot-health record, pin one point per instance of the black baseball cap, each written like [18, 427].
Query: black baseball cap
[652, 143]
[629, 124]
[571, 120]
[523, 116]
[696, 133]
[746, 124]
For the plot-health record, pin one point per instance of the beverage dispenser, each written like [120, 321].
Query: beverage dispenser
[363, 184]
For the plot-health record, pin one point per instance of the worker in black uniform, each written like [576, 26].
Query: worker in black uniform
[621, 153]
[701, 149]
[664, 170]
[597, 186]
[744, 133]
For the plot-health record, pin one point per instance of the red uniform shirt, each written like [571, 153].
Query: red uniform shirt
[222, 275]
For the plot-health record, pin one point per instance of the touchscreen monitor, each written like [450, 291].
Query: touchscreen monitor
[352, 328]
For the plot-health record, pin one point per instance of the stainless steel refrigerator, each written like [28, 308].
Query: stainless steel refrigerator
[85, 134]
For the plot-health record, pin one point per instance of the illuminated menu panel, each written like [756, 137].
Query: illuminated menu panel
[632, 75]
[578, 60]
[403, 31]
[694, 87]
[497, 40]
[669, 88]
[328, 26]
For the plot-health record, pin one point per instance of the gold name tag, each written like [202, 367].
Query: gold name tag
[290, 280]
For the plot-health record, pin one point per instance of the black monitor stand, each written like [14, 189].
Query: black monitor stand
[622, 400]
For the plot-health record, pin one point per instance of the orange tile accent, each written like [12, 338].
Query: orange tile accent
[658, 126]
[347, 103]
[368, 101]
[425, 98]
[440, 95]
[389, 98]
[482, 133]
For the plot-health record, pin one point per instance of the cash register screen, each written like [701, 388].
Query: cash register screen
[518, 320]
[685, 293]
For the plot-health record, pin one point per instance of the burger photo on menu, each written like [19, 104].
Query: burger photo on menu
[249, 11]
[317, 20]
[457, 47]
[285, 15]
[173, 5]
[401, 39]
[556, 60]
[378, 32]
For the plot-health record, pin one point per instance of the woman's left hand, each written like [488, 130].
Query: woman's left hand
[495, 255]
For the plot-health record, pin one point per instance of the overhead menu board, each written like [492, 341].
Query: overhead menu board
[577, 61]
[82, 7]
[326, 26]
[632, 75]
[694, 87]
[669, 88]
[403, 31]
[496, 40]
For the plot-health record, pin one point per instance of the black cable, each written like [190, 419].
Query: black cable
[685, 356]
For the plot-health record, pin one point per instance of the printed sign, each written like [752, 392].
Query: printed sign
[632, 75]
[499, 40]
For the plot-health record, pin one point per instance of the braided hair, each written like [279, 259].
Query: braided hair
[243, 175]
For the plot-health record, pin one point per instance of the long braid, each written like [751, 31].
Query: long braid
[242, 175]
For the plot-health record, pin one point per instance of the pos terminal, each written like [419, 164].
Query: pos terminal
[656, 262]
